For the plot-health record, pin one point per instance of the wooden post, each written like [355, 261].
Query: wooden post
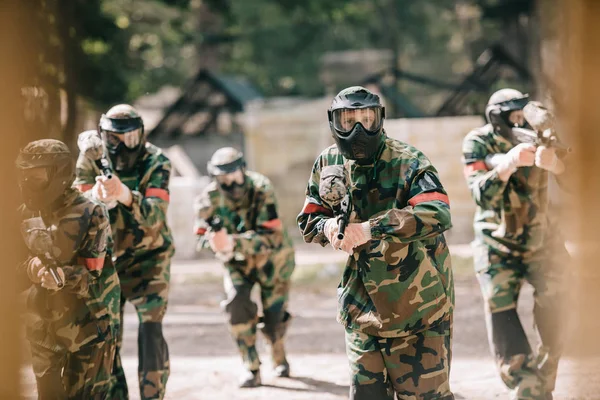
[18, 65]
[581, 74]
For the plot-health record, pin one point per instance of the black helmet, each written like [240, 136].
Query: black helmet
[122, 131]
[46, 171]
[499, 107]
[356, 122]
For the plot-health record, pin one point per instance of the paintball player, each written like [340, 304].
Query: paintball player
[396, 296]
[255, 249]
[515, 242]
[138, 192]
[72, 319]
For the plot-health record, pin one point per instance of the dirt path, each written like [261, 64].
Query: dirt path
[205, 364]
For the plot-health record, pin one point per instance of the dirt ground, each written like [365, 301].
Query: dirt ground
[205, 363]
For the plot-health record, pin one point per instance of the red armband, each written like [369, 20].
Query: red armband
[92, 264]
[473, 167]
[156, 192]
[425, 197]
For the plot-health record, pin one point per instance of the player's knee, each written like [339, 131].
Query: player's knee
[152, 347]
[274, 324]
[240, 308]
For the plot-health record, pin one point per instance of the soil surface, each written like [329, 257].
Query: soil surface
[205, 363]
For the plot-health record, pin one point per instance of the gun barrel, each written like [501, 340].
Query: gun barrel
[561, 146]
[341, 228]
[216, 224]
[53, 271]
[104, 166]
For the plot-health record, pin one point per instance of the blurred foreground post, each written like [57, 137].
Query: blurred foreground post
[581, 74]
[16, 69]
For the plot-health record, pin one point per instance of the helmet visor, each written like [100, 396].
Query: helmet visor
[223, 169]
[513, 104]
[35, 179]
[131, 139]
[233, 177]
[120, 124]
[344, 119]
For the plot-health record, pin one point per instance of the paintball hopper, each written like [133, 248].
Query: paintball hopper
[543, 122]
[332, 187]
[90, 144]
[334, 191]
[39, 241]
[37, 238]
[538, 116]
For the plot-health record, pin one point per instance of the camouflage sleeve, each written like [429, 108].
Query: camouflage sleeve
[85, 173]
[91, 254]
[22, 278]
[150, 207]
[203, 211]
[485, 185]
[268, 234]
[315, 211]
[427, 213]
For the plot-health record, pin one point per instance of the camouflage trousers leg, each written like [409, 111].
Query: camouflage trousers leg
[243, 317]
[548, 281]
[85, 374]
[415, 367]
[146, 285]
[531, 377]
[275, 320]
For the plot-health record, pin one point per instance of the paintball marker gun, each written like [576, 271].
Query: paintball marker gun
[542, 122]
[334, 191]
[90, 144]
[216, 224]
[39, 241]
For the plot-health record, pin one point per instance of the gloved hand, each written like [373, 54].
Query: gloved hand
[546, 158]
[355, 235]
[522, 155]
[220, 242]
[34, 267]
[48, 281]
[111, 189]
[330, 230]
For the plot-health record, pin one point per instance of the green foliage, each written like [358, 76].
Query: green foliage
[156, 40]
[118, 50]
[279, 43]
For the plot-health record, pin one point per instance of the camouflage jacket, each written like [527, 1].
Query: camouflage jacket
[141, 231]
[511, 217]
[400, 282]
[254, 224]
[87, 308]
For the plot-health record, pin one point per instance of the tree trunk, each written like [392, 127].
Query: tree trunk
[68, 35]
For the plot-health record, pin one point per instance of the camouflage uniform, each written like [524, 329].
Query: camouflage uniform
[143, 251]
[262, 254]
[73, 331]
[515, 241]
[396, 295]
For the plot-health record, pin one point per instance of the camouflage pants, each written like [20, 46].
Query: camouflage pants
[85, 374]
[532, 376]
[273, 277]
[415, 367]
[146, 285]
